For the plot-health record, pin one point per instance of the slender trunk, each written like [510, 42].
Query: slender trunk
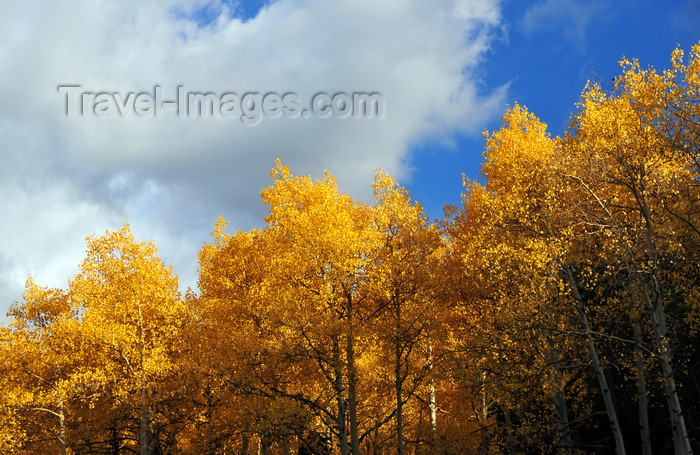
[509, 431]
[352, 382]
[286, 450]
[642, 399]
[399, 398]
[145, 435]
[62, 429]
[432, 404]
[340, 398]
[144, 427]
[115, 443]
[561, 412]
[681, 443]
[329, 438]
[352, 400]
[655, 306]
[265, 443]
[484, 405]
[397, 380]
[432, 401]
[245, 446]
[485, 439]
[602, 380]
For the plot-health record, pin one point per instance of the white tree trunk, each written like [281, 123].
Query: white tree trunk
[600, 374]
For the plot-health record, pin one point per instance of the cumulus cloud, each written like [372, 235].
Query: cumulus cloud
[68, 177]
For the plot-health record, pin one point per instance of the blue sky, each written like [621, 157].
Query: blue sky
[446, 70]
[546, 52]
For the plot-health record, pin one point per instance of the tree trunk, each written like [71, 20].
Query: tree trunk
[115, 439]
[62, 429]
[340, 398]
[681, 443]
[398, 382]
[145, 430]
[245, 446]
[399, 398]
[286, 449]
[561, 412]
[485, 441]
[484, 404]
[432, 404]
[352, 381]
[655, 306]
[602, 380]
[329, 435]
[146, 446]
[561, 416]
[265, 443]
[642, 399]
[509, 431]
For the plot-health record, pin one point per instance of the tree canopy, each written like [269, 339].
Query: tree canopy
[556, 310]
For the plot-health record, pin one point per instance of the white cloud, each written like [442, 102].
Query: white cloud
[65, 178]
